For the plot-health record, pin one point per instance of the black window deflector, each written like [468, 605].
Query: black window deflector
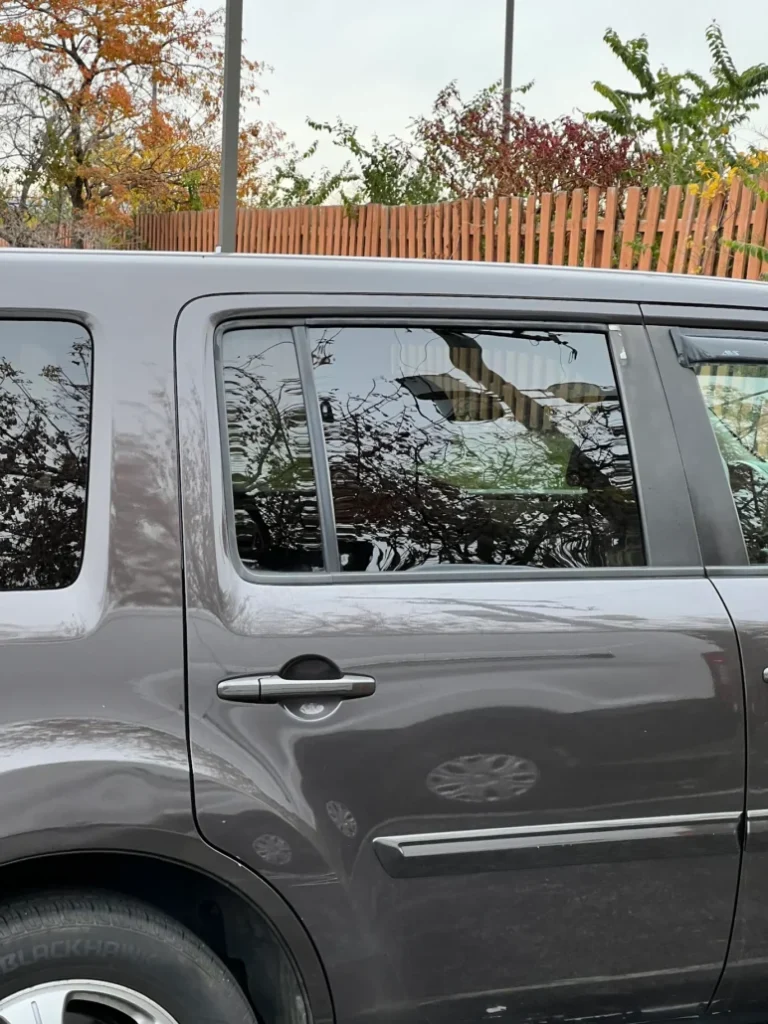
[695, 348]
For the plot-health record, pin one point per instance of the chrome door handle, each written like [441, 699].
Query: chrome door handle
[273, 689]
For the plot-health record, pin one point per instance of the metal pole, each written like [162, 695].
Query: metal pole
[509, 38]
[230, 127]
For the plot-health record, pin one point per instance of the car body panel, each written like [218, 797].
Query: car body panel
[742, 990]
[93, 737]
[743, 590]
[580, 688]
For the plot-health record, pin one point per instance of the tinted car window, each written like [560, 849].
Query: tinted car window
[451, 447]
[273, 487]
[736, 397]
[45, 411]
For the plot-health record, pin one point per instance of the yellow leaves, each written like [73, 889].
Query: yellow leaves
[751, 170]
[758, 160]
[138, 87]
[712, 182]
[170, 164]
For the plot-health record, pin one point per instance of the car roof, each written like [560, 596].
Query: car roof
[211, 273]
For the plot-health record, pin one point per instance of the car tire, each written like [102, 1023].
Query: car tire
[90, 951]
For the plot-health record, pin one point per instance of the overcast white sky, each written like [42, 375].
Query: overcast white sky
[378, 63]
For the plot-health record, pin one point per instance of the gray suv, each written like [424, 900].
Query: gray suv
[380, 642]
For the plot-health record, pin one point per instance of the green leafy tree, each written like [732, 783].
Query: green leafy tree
[685, 119]
[291, 185]
[390, 172]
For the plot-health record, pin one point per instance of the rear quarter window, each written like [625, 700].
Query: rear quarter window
[45, 420]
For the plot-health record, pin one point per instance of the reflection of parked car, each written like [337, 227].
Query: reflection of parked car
[378, 646]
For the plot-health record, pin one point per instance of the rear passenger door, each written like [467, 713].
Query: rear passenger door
[522, 798]
[715, 369]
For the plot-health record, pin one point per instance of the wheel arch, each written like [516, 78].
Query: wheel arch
[234, 910]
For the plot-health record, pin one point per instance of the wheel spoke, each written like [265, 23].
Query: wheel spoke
[40, 1007]
[47, 1003]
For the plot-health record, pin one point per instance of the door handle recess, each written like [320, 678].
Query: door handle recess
[274, 689]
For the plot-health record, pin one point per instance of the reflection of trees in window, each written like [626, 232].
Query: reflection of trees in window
[446, 461]
[736, 401]
[44, 436]
[276, 518]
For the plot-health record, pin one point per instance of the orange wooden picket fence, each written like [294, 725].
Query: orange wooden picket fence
[674, 230]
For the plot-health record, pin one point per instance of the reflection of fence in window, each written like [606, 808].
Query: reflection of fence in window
[536, 369]
[532, 389]
[476, 447]
[737, 399]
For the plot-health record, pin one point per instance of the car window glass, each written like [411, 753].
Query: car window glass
[736, 397]
[45, 412]
[458, 447]
[277, 526]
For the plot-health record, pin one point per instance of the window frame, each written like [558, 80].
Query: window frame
[325, 511]
[668, 532]
[723, 546]
[43, 317]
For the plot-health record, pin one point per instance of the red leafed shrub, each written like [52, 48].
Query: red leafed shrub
[464, 146]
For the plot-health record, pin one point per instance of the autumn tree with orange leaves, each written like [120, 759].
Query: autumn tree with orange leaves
[107, 106]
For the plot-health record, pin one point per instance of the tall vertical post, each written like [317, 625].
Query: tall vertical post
[509, 39]
[230, 129]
